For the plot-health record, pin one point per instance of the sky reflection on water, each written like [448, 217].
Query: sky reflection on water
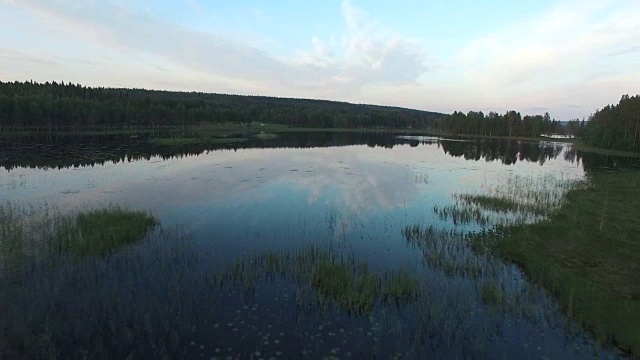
[354, 198]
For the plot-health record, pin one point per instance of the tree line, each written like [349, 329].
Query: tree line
[511, 123]
[54, 106]
[615, 126]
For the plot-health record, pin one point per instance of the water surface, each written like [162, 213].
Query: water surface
[355, 194]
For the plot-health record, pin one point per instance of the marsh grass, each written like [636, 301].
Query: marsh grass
[34, 239]
[337, 279]
[400, 286]
[462, 215]
[587, 254]
[498, 286]
[482, 241]
[151, 301]
[52, 306]
[25, 239]
[101, 232]
[340, 285]
[492, 294]
[520, 200]
[13, 250]
[575, 238]
[450, 251]
[536, 195]
[498, 204]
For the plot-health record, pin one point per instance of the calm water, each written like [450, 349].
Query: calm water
[353, 193]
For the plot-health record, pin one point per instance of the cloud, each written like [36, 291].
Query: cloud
[121, 28]
[14, 57]
[194, 5]
[625, 51]
[368, 58]
[367, 54]
[564, 40]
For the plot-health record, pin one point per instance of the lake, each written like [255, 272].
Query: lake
[232, 268]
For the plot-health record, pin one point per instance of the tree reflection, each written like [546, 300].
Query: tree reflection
[508, 152]
[44, 152]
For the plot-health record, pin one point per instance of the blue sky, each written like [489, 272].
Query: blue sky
[568, 57]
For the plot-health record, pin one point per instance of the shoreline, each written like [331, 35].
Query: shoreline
[584, 255]
[224, 131]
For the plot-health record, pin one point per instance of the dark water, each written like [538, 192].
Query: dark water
[353, 193]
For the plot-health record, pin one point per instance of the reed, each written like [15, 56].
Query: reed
[337, 279]
[587, 254]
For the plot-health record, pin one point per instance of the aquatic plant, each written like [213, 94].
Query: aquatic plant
[55, 307]
[535, 195]
[400, 286]
[461, 215]
[587, 255]
[33, 238]
[450, 251]
[167, 298]
[338, 283]
[101, 232]
[464, 256]
[492, 294]
[498, 204]
[519, 200]
[339, 279]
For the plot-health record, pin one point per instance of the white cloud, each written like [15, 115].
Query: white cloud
[565, 41]
[366, 55]
[555, 58]
[368, 59]
[14, 58]
[194, 4]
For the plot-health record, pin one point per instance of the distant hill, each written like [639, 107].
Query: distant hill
[54, 106]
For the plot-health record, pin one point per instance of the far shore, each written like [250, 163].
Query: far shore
[222, 131]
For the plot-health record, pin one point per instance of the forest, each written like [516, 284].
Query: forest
[59, 107]
[615, 126]
[511, 123]
[29, 106]
[72, 107]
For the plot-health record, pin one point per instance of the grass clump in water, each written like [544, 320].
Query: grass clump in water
[333, 280]
[498, 204]
[400, 286]
[518, 201]
[101, 232]
[492, 294]
[450, 251]
[343, 281]
[337, 282]
[461, 215]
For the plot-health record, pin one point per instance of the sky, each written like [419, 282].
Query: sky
[567, 57]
